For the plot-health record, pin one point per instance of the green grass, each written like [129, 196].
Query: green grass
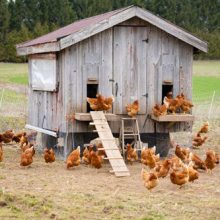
[206, 80]
[204, 86]
[14, 73]
[25, 206]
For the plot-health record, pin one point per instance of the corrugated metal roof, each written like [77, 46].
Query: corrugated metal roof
[70, 29]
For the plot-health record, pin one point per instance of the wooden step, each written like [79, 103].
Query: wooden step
[131, 134]
[96, 123]
[100, 149]
[109, 143]
[129, 118]
[113, 158]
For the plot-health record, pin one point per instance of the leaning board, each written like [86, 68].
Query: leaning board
[108, 142]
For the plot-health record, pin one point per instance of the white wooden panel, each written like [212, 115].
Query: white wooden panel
[43, 74]
[153, 64]
[130, 67]
[118, 69]
[105, 72]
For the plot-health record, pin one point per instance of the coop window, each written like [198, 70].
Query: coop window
[92, 90]
[43, 72]
[167, 89]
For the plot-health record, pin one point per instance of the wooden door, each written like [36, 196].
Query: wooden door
[129, 67]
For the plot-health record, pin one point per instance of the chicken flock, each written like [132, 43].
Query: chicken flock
[173, 105]
[183, 167]
[91, 155]
[101, 103]
[170, 105]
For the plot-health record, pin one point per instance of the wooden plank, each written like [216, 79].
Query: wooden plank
[118, 67]
[120, 174]
[176, 88]
[153, 63]
[141, 34]
[40, 48]
[52, 133]
[174, 118]
[105, 67]
[87, 117]
[114, 156]
[46, 56]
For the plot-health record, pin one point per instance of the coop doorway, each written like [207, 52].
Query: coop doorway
[167, 90]
[92, 90]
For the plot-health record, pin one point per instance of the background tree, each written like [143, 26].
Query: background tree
[21, 20]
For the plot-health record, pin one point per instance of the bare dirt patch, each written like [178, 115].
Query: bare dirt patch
[49, 191]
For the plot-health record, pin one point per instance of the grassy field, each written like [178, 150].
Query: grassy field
[14, 73]
[206, 77]
[206, 68]
[206, 80]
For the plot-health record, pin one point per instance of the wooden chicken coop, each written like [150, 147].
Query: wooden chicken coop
[129, 53]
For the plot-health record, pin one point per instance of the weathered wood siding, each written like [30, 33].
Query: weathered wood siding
[42, 107]
[129, 67]
[119, 53]
[91, 58]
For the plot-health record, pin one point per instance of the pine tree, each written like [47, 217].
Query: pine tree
[4, 20]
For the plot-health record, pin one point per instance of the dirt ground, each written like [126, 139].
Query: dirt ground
[49, 191]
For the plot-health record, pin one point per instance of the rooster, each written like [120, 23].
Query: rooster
[198, 163]
[150, 179]
[100, 103]
[27, 157]
[148, 157]
[74, 158]
[162, 168]
[171, 104]
[96, 160]
[184, 104]
[86, 157]
[17, 137]
[182, 153]
[204, 128]
[210, 160]
[198, 140]
[159, 110]
[24, 147]
[180, 177]
[49, 155]
[193, 173]
[133, 109]
[131, 154]
[7, 136]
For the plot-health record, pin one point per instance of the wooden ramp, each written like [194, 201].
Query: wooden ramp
[108, 141]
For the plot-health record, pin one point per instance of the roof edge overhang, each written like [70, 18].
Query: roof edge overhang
[40, 48]
[121, 16]
[172, 29]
